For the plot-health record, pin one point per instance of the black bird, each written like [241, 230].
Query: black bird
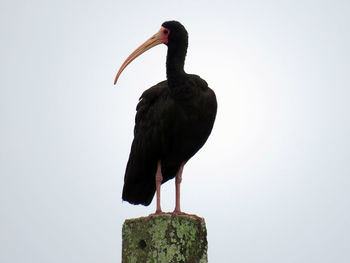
[173, 121]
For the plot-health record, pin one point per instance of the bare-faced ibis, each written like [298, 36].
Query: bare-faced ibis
[173, 121]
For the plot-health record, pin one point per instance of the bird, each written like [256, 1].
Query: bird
[174, 119]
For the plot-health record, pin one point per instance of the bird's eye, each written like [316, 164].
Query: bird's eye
[165, 31]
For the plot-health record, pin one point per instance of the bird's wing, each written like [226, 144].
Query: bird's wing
[139, 180]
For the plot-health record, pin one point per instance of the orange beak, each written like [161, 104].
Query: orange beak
[161, 37]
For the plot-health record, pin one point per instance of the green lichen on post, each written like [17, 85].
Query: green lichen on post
[164, 238]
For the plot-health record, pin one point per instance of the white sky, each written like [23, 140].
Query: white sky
[273, 179]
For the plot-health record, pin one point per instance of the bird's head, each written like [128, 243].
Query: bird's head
[171, 34]
[177, 33]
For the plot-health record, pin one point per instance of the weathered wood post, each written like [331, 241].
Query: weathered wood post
[164, 238]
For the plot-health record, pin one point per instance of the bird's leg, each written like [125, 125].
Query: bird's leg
[178, 180]
[159, 179]
[177, 210]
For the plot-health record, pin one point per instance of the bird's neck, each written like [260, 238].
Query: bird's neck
[175, 64]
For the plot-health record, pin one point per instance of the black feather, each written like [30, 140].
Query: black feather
[173, 121]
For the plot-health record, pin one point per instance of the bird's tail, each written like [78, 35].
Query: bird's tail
[139, 193]
[139, 182]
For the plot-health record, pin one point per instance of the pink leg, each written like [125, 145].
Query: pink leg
[159, 179]
[178, 180]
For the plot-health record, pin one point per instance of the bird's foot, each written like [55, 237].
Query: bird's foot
[157, 213]
[178, 212]
[175, 213]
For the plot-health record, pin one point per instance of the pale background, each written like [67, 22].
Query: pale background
[272, 181]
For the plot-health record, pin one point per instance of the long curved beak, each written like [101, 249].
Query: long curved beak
[155, 40]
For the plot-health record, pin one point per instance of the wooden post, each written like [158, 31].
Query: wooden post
[164, 238]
